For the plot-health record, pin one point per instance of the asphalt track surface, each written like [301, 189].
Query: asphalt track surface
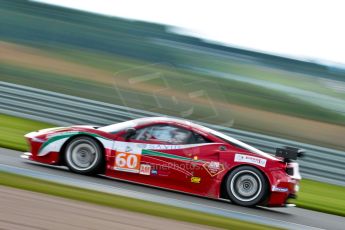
[289, 218]
[24, 210]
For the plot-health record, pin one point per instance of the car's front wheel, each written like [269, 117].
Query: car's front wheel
[246, 186]
[83, 155]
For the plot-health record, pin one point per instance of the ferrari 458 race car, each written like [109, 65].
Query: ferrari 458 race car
[172, 154]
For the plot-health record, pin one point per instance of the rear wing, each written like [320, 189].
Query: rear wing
[289, 153]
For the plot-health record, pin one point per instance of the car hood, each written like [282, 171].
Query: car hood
[58, 129]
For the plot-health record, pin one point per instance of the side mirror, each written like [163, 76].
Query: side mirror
[129, 132]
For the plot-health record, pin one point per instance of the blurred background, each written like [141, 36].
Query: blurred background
[269, 73]
[162, 69]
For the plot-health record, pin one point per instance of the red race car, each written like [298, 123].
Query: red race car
[173, 154]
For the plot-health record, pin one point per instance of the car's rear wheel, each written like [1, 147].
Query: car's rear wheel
[246, 186]
[84, 155]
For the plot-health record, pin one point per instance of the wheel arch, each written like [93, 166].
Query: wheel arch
[62, 159]
[223, 192]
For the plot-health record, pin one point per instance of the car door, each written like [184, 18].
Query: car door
[157, 155]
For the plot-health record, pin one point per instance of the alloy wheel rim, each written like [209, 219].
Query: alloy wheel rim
[82, 155]
[246, 185]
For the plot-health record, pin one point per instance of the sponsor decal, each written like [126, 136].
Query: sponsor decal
[162, 147]
[250, 159]
[145, 169]
[127, 161]
[213, 167]
[278, 189]
[168, 147]
[154, 172]
[142, 145]
[128, 149]
[195, 180]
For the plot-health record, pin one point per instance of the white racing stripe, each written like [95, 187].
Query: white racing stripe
[52, 147]
[56, 145]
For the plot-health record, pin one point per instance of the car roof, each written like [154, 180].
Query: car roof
[168, 120]
[152, 120]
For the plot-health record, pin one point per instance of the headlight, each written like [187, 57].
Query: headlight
[35, 139]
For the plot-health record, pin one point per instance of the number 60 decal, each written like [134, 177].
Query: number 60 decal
[128, 162]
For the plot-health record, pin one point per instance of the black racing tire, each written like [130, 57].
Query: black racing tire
[84, 155]
[246, 186]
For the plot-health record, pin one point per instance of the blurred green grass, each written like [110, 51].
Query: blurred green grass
[313, 195]
[13, 129]
[126, 203]
[321, 197]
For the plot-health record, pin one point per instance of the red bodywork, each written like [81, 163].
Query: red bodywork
[193, 174]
